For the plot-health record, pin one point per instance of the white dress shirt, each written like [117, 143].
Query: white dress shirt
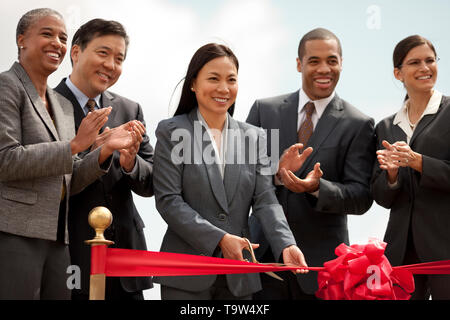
[402, 119]
[320, 106]
[219, 152]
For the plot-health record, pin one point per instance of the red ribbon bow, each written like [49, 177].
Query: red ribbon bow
[362, 272]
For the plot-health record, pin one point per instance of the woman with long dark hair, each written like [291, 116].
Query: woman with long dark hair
[412, 176]
[209, 171]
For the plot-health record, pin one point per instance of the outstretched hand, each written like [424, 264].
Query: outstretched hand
[292, 255]
[310, 184]
[292, 159]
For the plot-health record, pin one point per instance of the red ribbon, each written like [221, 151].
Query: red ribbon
[360, 272]
[137, 263]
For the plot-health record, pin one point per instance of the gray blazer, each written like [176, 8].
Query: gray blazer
[343, 143]
[36, 158]
[420, 203]
[200, 208]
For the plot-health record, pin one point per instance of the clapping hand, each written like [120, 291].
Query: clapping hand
[123, 137]
[128, 155]
[398, 155]
[88, 130]
[292, 159]
[295, 184]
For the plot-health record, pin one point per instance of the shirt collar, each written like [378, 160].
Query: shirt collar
[319, 104]
[205, 124]
[80, 96]
[432, 107]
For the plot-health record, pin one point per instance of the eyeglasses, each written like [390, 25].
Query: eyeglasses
[417, 63]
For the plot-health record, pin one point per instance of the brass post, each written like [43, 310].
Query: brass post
[100, 218]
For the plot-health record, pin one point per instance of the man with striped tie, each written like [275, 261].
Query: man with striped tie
[99, 48]
[327, 152]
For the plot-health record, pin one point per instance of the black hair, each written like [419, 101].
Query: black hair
[317, 34]
[403, 47]
[97, 28]
[202, 56]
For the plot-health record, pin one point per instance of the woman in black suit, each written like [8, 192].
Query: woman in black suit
[412, 177]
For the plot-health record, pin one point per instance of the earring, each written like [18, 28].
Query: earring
[21, 47]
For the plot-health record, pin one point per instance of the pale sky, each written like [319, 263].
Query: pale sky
[264, 35]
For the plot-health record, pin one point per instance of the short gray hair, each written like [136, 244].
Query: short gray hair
[29, 18]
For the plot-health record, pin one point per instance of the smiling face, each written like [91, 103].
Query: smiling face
[44, 45]
[216, 86]
[320, 66]
[418, 71]
[99, 65]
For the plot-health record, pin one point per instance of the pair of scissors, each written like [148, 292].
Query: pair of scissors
[269, 273]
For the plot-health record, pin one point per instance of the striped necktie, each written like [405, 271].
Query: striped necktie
[306, 129]
[91, 105]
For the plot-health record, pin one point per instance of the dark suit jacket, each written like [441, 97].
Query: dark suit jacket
[420, 201]
[343, 143]
[200, 208]
[112, 191]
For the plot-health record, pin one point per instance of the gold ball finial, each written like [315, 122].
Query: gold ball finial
[100, 218]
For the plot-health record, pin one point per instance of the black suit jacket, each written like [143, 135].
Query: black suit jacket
[420, 203]
[343, 143]
[112, 191]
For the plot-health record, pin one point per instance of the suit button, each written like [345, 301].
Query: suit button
[222, 217]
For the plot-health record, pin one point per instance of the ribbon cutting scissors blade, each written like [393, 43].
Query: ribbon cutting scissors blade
[269, 273]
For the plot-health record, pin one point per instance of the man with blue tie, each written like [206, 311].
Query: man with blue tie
[324, 172]
[98, 51]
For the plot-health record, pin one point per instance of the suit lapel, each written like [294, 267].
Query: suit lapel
[77, 110]
[35, 99]
[426, 120]
[327, 122]
[107, 100]
[397, 134]
[202, 142]
[288, 122]
[64, 130]
[235, 150]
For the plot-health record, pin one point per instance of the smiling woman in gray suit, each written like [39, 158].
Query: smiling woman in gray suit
[37, 168]
[412, 177]
[209, 170]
